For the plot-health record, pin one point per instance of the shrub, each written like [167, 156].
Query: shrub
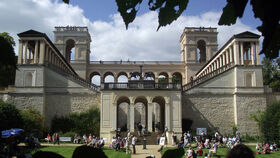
[32, 121]
[270, 123]
[9, 116]
[81, 123]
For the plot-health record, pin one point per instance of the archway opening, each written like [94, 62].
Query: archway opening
[149, 76]
[140, 112]
[177, 78]
[158, 114]
[201, 51]
[123, 113]
[95, 78]
[109, 77]
[135, 76]
[122, 77]
[163, 77]
[70, 50]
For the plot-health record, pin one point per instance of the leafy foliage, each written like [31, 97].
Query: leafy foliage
[82, 123]
[9, 116]
[7, 60]
[271, 73]
[170, 10]
[270, 123]
[33, 120]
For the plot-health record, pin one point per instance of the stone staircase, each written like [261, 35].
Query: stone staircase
[151, 137]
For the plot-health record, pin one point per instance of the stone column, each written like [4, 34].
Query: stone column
[167, 115]
[224, 59]
[150, 117]
[236, 53]
[220, 62]
[242, 53]
[42, 52]
[131, 117]
[36, 53]
[230, 55]
[227, 55]
[114, 120]
[252, 53]
[47, 54]
[25, 52]
[20, 52]
[257, 54]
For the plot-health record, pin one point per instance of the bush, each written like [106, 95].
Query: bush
[81, 123]
[32, 121]
[270, 123]
[9, 116]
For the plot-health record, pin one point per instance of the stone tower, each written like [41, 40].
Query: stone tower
[198, 45]
[74, 44]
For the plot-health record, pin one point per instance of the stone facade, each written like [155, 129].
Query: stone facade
[226, 86]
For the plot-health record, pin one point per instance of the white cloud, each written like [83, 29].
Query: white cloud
[110, 40]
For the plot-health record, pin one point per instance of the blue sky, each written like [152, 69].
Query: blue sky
[110, 39]
[101, 9]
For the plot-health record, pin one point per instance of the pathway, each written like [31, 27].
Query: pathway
[143, 153]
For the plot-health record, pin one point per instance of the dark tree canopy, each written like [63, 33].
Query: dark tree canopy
[7, 60]
[169, 10]
[271, 73]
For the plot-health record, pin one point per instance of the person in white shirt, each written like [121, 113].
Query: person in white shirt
[133, 142]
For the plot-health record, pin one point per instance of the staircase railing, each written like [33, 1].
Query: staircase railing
[208, 76]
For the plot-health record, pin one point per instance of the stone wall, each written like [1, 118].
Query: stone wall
[209, 111]
[63, 104]
[247, 104]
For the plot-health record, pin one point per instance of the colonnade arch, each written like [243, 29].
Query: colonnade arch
[124, 77]
[70, 48]
[158, 117]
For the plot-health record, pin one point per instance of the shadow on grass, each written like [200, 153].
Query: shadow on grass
[174, 153]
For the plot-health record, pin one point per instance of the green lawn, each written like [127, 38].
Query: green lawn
[221, 153]
[67, 151]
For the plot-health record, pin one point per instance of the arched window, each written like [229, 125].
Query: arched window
[248, 80]
[70, 50]
[201, 51]
[28, 79]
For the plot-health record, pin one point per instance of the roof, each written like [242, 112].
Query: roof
[245, 34]
[32, 33]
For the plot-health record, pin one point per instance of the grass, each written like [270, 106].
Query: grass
[67, 151]
[221, 153]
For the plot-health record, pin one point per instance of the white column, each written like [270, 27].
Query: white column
[242, 53]
[131, 117]
[236, 53]
[167, 115]
[230, 54]
[42, 52]
[220, 62]
[227, 55]
[150, 117]
[257, 54]
[252, 53]
[36, 53]
[25, 52]
[114, 120]
[224, 59]
[20, 52]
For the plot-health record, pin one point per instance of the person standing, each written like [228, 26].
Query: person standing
[133, 142]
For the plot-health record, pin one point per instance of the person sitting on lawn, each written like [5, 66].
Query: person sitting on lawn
[85, 139]
[100, 143]
[199, 151]
[189, 153]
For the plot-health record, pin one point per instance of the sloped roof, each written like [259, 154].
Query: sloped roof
[32, 33]
[246, 34]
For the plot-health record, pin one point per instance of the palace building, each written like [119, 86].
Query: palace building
[208, 89]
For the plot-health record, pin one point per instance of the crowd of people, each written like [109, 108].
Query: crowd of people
[91, 140]
[265, 148]
[117, 143]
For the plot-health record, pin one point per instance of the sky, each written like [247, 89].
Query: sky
[110, 39]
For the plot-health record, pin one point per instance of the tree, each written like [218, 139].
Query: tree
[33, 120]
[9, 116]
[169, 11]
[7, 60]
[271, 73]
[270, 123]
